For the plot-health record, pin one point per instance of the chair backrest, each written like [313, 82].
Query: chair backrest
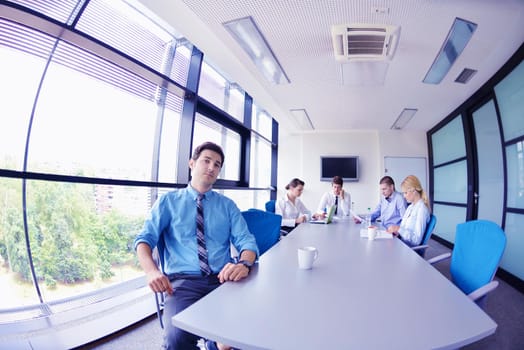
[479, 245]
[270, 206]
[427, 234]
[265, 226]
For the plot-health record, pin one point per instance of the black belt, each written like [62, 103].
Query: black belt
[190, 276]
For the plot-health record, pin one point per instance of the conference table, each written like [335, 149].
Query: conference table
[360, 294]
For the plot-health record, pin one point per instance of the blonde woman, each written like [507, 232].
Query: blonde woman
[416, 216]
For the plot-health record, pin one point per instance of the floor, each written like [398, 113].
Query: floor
[505, 306]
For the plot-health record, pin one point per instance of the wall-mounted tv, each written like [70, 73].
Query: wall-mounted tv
[344, 166]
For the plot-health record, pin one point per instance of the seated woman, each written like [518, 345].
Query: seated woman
[291, 208]
[416, 217]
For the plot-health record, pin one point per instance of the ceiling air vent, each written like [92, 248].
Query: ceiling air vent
[465, 75]
[364, 41]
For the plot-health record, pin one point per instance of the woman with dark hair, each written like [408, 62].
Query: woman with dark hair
[293, 211]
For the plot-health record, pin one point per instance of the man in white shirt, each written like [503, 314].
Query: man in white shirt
[337, 196]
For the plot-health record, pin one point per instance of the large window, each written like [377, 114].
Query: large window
[92, 125]
[209, 130]
[510, 97]
[478, 164]
[450, 190]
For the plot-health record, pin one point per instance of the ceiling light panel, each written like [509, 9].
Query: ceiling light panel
[302, 119]
[458, 37]
[246, 33]
[403, 118]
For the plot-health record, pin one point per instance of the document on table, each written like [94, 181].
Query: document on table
[381, 234]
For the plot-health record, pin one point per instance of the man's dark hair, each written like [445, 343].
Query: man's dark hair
[337, 180]
[209, 146]
[294, 183]
[388, 180]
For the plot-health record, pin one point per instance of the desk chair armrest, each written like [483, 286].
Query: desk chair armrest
[438, 258]
[419, 247]
[482, 291]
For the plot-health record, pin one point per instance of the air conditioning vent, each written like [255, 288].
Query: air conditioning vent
[364, 41]
[465, 75]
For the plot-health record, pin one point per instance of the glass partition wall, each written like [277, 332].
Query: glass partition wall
[94, 126]
[477, 164]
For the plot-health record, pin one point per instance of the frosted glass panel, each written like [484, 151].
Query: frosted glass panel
[490, 167]
[513, 260]
[510, 97]
[448, 142]
[447, 219]
[451, 183]
[515, 162]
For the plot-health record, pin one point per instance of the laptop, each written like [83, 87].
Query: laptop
[328, 219]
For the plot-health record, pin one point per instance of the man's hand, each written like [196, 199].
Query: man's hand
[158, 282]
[233, 272]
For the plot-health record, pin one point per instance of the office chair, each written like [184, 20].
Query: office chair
[479, 245]
[270, 206]
[265, 226]
[421, 249]
[158, 256]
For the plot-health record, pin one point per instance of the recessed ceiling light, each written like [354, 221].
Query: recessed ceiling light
[246, 33]
[459, 35]
[403, 118]
[302, 119]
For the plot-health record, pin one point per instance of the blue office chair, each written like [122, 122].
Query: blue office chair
[421, 249]
[479, 245]
[265, 226]
[270, 206]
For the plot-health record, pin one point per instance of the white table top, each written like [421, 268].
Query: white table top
[360, 294]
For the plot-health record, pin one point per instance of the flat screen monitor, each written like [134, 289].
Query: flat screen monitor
[344, 166]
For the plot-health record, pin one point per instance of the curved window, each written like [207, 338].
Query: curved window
[91, 133]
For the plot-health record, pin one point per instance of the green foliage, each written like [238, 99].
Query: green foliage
[69, 241]
[12, 238]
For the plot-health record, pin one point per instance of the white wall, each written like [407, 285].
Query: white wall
[299, 156]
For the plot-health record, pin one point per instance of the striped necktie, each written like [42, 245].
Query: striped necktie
[336, 204]
[202, 251]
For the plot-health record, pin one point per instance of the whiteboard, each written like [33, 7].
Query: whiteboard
[400, 167]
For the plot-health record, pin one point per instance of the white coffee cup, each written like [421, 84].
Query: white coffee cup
[306, 257]
[372, 232]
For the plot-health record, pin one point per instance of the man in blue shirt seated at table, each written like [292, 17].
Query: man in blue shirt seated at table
[392, 205]
[197, 226]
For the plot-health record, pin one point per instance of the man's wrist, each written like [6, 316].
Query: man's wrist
[246, 263]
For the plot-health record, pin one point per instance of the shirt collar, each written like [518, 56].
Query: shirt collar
[195, 193]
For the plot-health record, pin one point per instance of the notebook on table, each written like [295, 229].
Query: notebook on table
[328, 219]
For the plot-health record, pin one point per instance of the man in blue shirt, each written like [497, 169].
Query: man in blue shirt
[392, 204]
[188, 245]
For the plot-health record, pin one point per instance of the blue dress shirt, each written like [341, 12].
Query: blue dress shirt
[174, 216]
[390, 210]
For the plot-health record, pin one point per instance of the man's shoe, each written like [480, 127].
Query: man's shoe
[210, 345]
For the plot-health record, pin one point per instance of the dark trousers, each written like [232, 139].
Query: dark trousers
[187, 289]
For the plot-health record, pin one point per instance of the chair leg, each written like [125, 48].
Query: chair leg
[159, 299]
